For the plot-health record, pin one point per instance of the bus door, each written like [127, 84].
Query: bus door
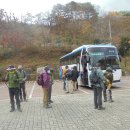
[79, 68]
[85, 59]
[84, 63]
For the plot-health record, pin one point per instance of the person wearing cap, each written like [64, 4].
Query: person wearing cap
[23, 77]
[46, 86]
[12, 80]
[97, 87]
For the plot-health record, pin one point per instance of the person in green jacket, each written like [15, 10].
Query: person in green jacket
[12, 80]
[97, 85]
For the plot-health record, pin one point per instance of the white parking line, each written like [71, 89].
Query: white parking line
[30, 96]
[83, 91]
[2, 87]
[4, 100]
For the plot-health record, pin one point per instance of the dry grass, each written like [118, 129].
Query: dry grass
[33, 57]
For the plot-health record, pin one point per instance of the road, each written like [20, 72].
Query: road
[69, 111]
[33, 90]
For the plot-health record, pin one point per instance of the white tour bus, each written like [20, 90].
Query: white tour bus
[85, 58]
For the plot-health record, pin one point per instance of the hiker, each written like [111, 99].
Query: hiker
[74, 78]
[12, 80]
[84, 62]
[22, 88]
[68, 75]
[108, 84]
[51, 83]
[45, 86]
[64, 78]
[96, 78]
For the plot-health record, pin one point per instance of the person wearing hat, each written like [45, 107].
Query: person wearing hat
[46, 86]
[97, 78]
[12, 80]
[23, 78]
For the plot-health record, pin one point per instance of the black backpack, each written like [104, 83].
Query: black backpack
[68, 74]
[95, 78]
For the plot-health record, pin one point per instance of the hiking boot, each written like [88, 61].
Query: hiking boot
[48, 106]
[19, 109]
[50, 101]
[101, 108]
[95, 107]
[111, 101]
[12, 110]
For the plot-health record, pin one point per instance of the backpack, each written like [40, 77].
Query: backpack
[109, 76]
[40, 80]
[74, 75]
[95, 78]
[68, 74]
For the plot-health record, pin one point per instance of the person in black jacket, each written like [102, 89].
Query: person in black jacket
[68, 79]
[74, 78]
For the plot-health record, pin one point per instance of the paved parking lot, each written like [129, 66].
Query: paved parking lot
[69, 111]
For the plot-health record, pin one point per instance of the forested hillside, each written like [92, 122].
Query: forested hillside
[43, 38]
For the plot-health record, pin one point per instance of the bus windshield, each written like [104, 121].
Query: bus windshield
[104, 56]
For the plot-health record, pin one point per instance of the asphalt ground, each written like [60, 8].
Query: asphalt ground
[69, 111]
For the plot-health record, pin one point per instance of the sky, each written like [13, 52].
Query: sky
[21, 7]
